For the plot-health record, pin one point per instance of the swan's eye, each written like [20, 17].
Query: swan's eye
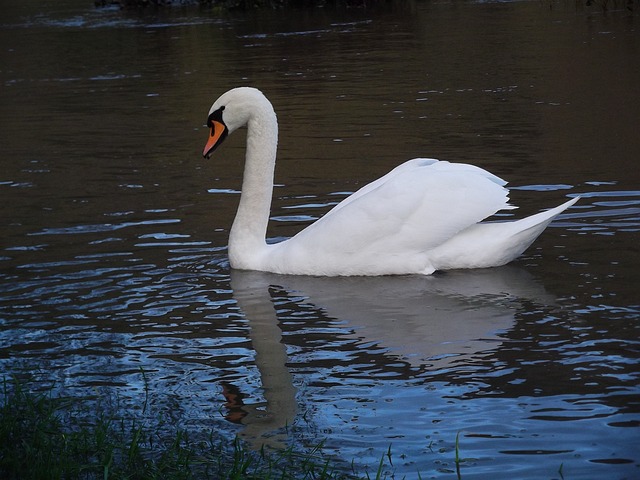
[217, 116]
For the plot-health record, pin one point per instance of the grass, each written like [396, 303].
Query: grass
[44, 436]
[47, 437]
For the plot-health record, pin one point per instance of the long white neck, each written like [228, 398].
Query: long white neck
[247, 237]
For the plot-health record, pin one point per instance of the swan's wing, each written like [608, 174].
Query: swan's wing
[408, 165]
[414, 208]
[412, 165]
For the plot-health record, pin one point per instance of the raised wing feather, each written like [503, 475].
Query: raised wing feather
[414, 208]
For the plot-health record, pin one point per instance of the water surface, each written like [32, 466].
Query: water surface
[114, 229]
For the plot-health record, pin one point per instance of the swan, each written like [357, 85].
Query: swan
[422, 216]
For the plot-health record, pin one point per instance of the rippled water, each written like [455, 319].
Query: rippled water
[114, 230]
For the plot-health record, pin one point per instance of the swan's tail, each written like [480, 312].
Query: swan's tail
[541, 220]
[493, 244]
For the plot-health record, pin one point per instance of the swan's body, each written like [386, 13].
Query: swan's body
[421, 217]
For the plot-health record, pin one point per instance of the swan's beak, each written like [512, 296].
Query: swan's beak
[217, 134]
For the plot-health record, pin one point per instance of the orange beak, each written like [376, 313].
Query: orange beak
[217, 134]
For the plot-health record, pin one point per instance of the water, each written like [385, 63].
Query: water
[114, 229]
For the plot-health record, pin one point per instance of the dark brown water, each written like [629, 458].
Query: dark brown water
[114, 229]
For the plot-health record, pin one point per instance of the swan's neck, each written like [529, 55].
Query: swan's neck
[247, 237]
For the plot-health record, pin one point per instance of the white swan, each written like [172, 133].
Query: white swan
[421, 217]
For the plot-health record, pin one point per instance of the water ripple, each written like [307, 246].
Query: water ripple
[102, 227]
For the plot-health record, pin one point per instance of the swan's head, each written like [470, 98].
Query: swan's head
[231, 111]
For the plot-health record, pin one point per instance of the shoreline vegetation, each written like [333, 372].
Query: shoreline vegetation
[236, 4]
[631, 6]
[48, 436]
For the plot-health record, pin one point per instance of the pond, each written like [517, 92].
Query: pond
[114, 277]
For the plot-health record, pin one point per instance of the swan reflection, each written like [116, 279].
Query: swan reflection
[427, 321]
